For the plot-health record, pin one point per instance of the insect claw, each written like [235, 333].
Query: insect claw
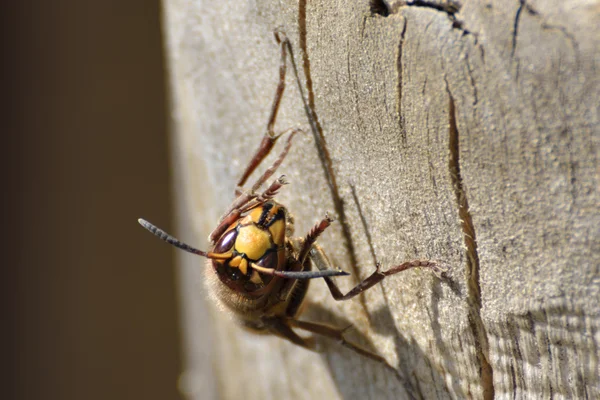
[300, 130]
[439, 269]
[329, 218]
[280, 35]
[275, 137]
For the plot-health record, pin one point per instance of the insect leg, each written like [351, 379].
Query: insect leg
[244, 202]
[245, 197]
[270, 138]
[338, 334]
[280, 327]
[289, 284]
[284, 42]
[271, 170]
[312, 236]
[321, 261]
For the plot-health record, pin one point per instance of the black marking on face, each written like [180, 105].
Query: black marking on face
[265, 213]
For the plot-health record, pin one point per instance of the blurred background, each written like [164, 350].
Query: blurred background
[90, 301]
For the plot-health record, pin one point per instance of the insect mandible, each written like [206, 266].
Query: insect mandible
[256, 269]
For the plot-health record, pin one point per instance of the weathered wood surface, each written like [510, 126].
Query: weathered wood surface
[467, 133]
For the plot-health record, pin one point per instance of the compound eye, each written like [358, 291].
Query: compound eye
[269, 260]
[226, 242]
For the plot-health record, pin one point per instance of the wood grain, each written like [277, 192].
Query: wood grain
[465, 132]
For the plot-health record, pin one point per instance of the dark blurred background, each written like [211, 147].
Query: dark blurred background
[89, 297]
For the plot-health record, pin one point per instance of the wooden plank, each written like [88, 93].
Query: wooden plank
[467, 134]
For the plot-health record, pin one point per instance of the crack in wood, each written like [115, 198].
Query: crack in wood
[321, 144]
[531, 11]
[516, 27]
[361, 122]
[513, 380]
[517, 353]
[450, 8]
[473, 84]
[399, 73]
[473, 284]
[570, 38]
[379, 7]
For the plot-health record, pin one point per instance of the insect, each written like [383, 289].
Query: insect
[256, 269]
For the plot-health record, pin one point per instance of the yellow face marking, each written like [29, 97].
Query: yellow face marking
[255, 278]
[244, 266]
[235, 262]
[277, 230]
[252, 241]
[255, 214]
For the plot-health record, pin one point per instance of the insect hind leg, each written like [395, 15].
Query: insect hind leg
[338, 334]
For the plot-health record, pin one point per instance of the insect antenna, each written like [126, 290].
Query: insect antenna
[178, 243]
[223, 256]
[300, 274]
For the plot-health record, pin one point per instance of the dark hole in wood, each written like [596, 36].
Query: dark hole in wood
[379, 7]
